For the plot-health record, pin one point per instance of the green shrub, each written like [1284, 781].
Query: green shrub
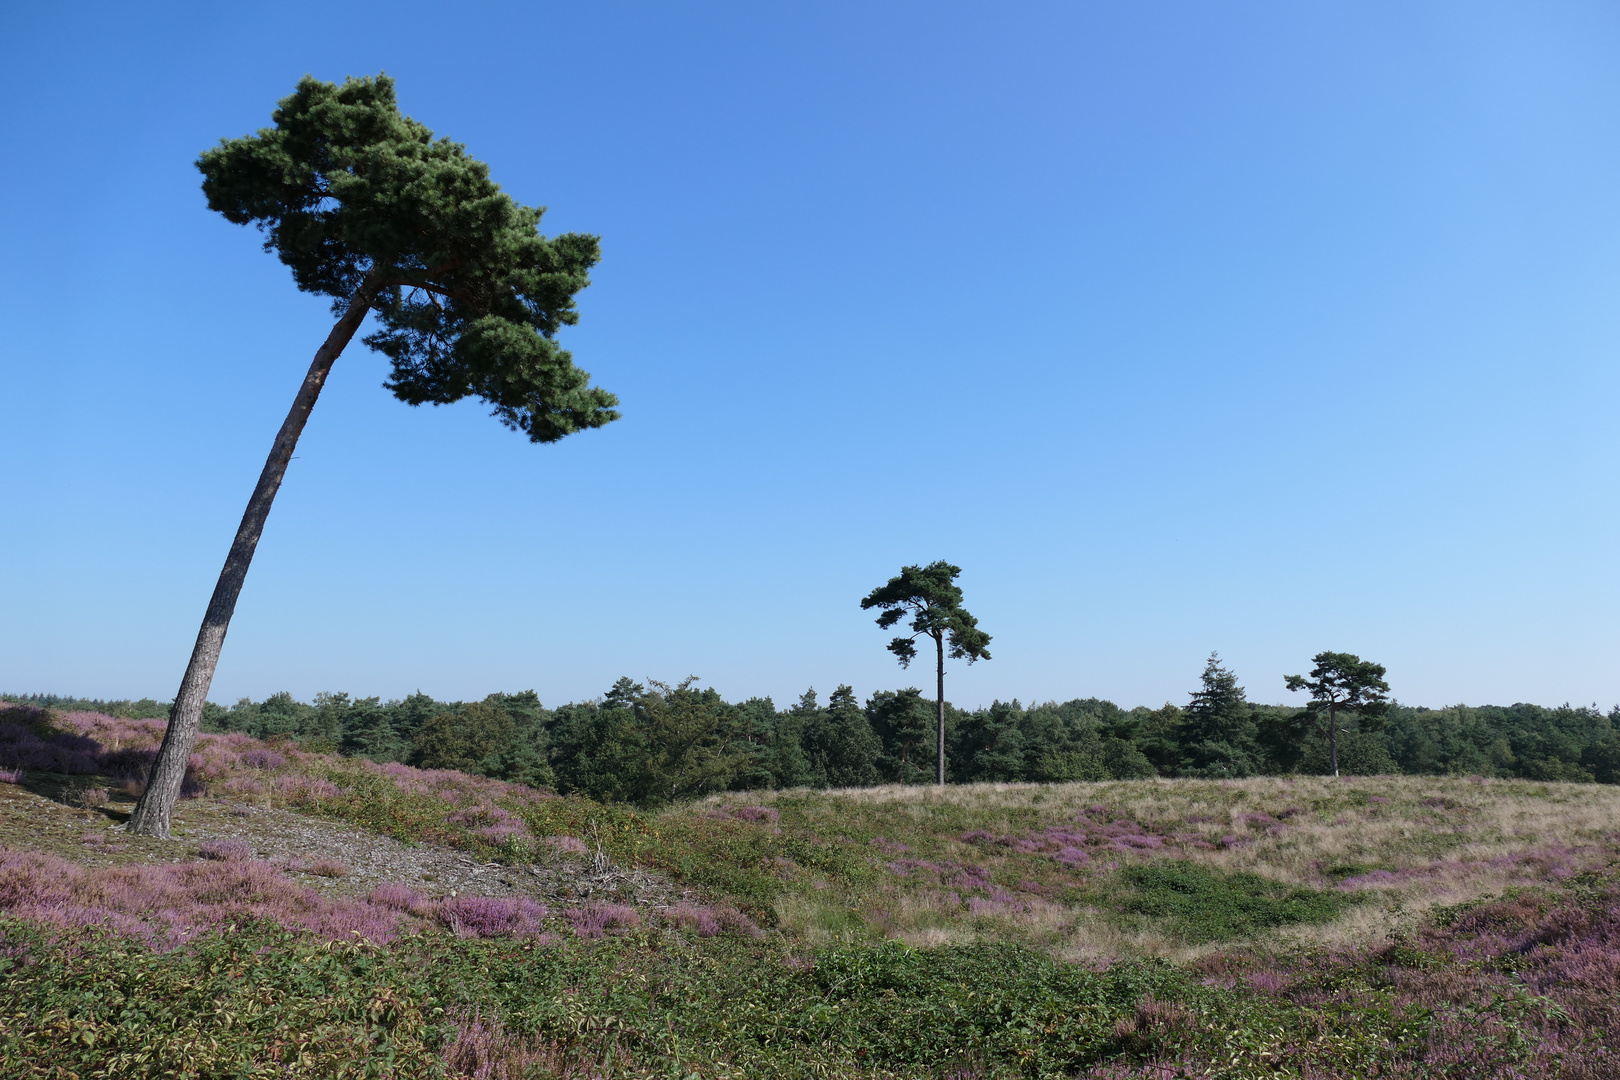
[1198, 904]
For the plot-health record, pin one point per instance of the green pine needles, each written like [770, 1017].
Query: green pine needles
[362, 202]
[364, 205]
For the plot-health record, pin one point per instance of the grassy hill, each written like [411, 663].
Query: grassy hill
[328, 916]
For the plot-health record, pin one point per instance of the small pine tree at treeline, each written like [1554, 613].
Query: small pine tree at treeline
[652, 743]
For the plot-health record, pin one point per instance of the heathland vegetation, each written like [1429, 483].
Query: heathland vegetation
[1399, 926]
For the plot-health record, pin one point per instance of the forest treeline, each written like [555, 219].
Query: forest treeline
[653, 743]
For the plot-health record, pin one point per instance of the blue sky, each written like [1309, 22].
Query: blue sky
[1259, 327]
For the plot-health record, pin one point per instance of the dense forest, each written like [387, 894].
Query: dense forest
[653, 743]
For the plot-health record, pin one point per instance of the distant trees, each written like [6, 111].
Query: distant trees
[902, 722]
[1341, 682]
[366, 207]
[469, 738]
[503, 736]
[1218, 727]
[649, 744]
[930, 596]
[838, 741]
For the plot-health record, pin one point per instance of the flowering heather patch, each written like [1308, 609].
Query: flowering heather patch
[1552, 863]
[1075, 845]
[961, 875]
[448, 784]
[487, 917]
[165, 906]
[85, 743]
[710, 921]
[999, 902]
[262, 759]
[11, 776]
[242, 786]
[329, 868]
[225, 850]
[432, 805]
[504, 834]
[300, 790]
[1523, 986]
[26, 748]
[491, 823]
[594, 920]
[694, 917]
[401, 898]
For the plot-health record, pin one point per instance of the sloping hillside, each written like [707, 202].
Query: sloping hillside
[325, 916]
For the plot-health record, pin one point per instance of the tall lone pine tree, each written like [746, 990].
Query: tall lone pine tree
[1341, 682]
[930, 595]
[365, 206]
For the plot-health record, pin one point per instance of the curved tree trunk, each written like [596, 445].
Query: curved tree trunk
[939, 769]
[155, 810]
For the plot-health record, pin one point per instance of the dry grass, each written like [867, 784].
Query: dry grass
[1405, 844]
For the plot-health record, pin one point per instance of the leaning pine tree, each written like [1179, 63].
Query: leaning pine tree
[365, 206]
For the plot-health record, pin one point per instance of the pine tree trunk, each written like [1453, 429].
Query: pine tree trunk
[1333, 737]
[939, 769]
[155, 811]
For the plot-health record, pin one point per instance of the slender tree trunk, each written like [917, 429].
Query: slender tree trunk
[939, 651]
[155, 810]
[1333, 737]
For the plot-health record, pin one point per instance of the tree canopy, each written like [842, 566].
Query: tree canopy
[1341, 682]
[360, 201]
[930, 595]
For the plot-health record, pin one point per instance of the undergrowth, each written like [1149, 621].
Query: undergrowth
[1517, 974]
[1198, 904]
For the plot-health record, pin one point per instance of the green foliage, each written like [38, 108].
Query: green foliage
[1341, 683]
[599, 748]
[930, 596]
[1361, 753]
[839, 744]
[364, 204]
[467, 739]
[991, 743]
[256, 1001]
[904, 725]
[690, 734]
[636, 746]
[649, 746]
[1344, 681]
[144, 709]
[1200, 904]
[1219, 733]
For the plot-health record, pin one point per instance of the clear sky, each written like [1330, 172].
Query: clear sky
[1265, 328]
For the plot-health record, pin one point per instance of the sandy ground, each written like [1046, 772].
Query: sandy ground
[41, 817]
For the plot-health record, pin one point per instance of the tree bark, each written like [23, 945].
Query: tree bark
[155, 811]
[1333, 737]
[939, 652]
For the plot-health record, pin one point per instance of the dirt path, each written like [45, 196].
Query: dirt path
[39, 818]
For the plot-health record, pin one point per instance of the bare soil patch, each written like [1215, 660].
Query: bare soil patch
[43, 817]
